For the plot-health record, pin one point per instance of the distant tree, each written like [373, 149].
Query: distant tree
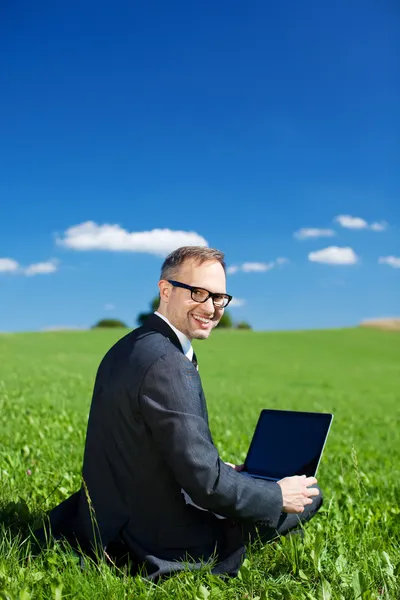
[243, 325]
[155, 303]
[226, 321]
[109, 323]
[142, 317]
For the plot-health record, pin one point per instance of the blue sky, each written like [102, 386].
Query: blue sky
[267, 130]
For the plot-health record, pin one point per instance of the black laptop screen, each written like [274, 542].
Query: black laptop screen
[287, 443]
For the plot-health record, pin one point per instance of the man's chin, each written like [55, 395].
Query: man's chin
[201, 334]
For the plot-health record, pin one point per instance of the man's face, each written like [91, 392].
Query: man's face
[196, 320]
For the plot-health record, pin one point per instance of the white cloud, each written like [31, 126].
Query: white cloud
[109, 307]
[256, 267]
[90, 236]
[379, 226]
[236, 302]
[232, 270]
[393, 261]
[350, 222]
[42, 268]
[305, 233]
[334, 256]
[8, 265]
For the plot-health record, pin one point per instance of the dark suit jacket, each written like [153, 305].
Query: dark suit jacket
[152, 477]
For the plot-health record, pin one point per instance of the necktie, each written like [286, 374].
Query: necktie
[194, 361]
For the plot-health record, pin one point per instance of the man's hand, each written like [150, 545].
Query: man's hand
[296, 492]
[236, 467]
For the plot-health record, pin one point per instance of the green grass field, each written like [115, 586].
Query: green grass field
[350, 550]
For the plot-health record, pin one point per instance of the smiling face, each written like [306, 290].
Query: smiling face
[195, 320]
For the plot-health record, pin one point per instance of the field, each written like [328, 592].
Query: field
[350, 550]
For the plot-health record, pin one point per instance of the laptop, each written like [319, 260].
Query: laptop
[287, 443]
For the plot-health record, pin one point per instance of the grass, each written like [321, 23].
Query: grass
[351, 549]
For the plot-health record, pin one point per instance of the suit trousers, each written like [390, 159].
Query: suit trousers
[238, 535]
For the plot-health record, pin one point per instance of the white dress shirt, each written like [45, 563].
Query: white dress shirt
[184, 341]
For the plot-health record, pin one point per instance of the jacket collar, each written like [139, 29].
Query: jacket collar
[155, 323]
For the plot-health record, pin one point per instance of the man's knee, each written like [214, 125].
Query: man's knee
[310, 510]
[317, 500]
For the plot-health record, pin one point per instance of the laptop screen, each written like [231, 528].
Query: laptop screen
[287, 443]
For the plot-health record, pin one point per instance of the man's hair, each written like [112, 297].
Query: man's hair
[201, 254]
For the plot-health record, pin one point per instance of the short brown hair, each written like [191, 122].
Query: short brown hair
[200, 253]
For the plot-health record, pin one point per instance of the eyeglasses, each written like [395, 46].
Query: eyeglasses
[201, 295]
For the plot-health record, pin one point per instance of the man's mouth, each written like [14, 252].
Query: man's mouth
[202, 320]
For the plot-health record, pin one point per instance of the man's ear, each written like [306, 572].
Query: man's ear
[165, 290]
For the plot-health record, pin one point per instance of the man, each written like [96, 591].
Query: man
[153, 482]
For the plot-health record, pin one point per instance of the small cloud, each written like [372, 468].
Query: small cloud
[382, 226]
[236, 302]
[109, 307]
[42, 268]
[8, 265]
[232, 270]
[249, 267]
[334, 256]
[257, 267]
[349, 222]
[392, 261]
[91, 236]
[306, 233]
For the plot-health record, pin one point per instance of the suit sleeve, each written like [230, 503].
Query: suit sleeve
[171, 407]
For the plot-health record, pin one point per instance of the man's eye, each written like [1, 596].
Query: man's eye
[200, 295]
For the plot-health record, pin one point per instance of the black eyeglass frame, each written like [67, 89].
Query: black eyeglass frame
[194, 288]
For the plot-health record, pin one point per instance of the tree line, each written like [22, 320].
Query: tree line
[226, 321]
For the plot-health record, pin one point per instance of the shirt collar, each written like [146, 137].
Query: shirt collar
[184, 341]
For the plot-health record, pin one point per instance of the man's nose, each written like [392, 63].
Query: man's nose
[209, 305]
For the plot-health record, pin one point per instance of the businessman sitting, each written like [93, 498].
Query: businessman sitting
[153, 482]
